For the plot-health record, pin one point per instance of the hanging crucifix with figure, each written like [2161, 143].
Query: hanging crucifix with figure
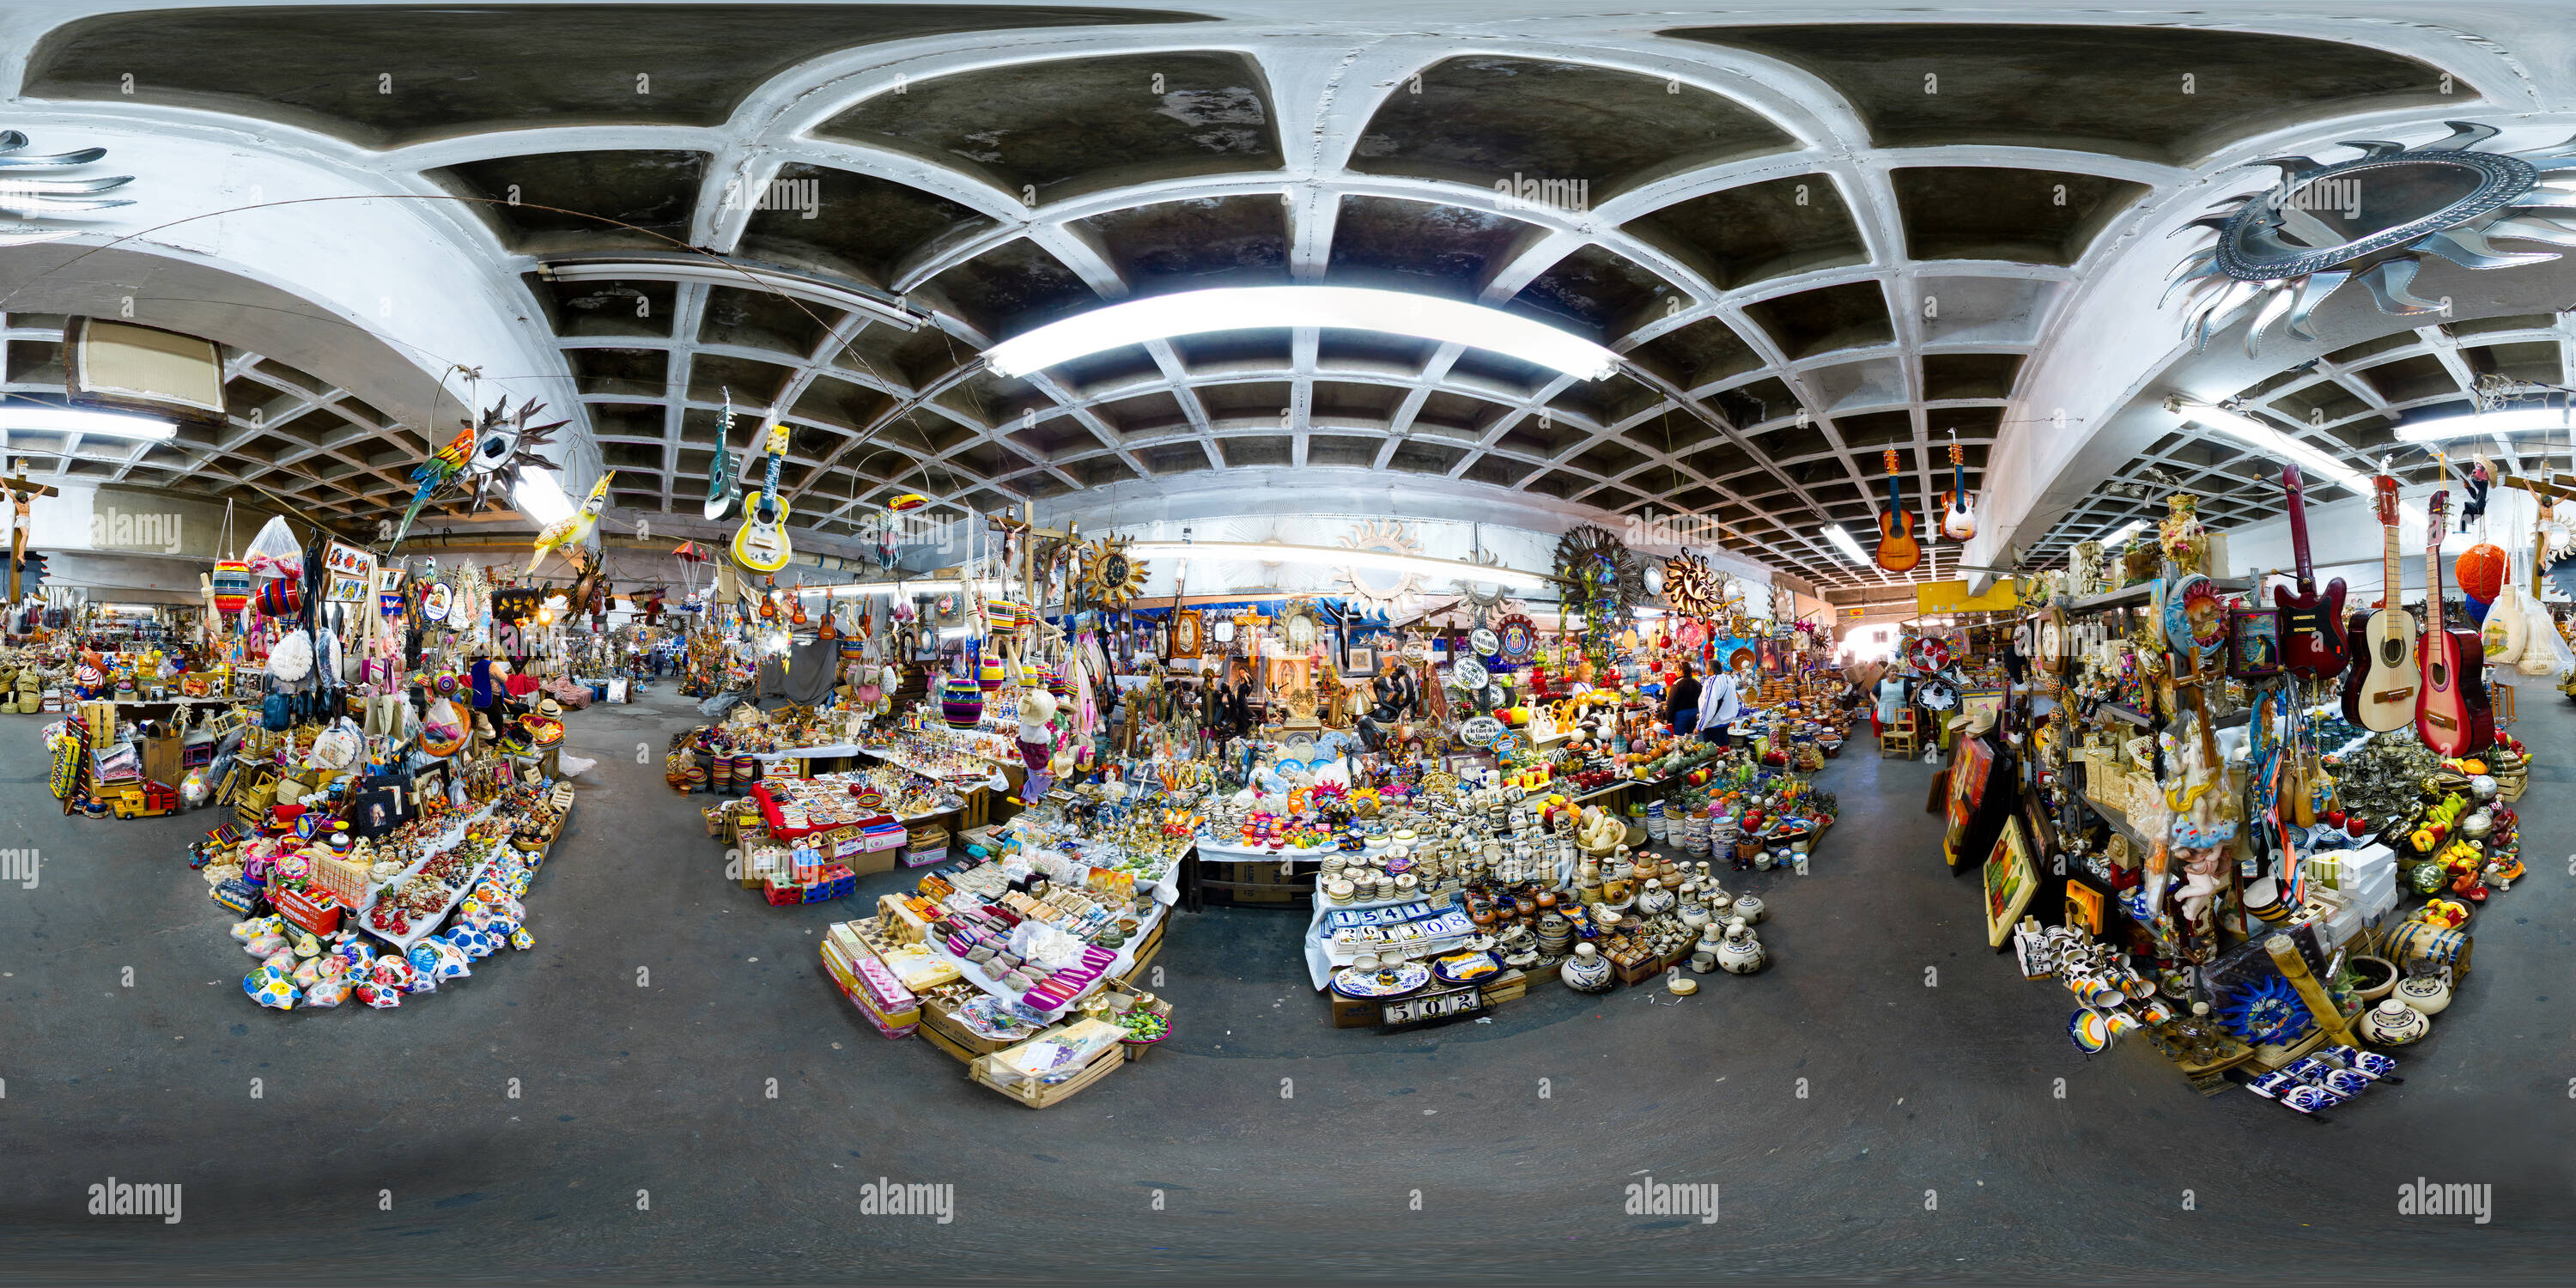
[21, 495]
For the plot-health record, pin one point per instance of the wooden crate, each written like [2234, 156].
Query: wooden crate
[1145, 953]
[1045, 1097]
[1510, 986]
[947, 1033]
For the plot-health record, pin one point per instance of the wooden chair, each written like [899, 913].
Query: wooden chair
[1903, 738]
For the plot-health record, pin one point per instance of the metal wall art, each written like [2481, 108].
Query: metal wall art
[2284, 251]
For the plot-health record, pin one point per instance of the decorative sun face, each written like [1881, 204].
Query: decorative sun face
[2283, 252]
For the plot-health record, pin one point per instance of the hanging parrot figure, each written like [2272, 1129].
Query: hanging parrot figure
[432, 477]
[574, 528]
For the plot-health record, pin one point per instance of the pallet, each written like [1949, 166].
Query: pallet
[946, 1033]
[1146, 952]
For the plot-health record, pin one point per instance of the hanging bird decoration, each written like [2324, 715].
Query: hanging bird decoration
[483, 450]
[431, 477]
[574, 528]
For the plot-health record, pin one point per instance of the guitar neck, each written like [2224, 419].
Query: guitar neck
[2389, 563]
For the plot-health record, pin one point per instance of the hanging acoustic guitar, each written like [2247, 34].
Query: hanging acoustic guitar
[1958, 512]
[2451, 713]
[1898, 551]
[2379, 690]
[761, 544]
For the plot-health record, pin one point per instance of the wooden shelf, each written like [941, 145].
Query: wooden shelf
[2137, 596]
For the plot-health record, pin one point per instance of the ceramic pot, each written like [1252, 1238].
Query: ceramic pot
[1741, 953]
[1750, 909]
[2427, 994]
[2394, 1023]
[1653, 898]
[1703, 961]
[1587, 971]
[2377, 976]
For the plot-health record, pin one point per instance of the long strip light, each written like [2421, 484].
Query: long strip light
[2512, 420]
[1336, 557]
[2125, 531]
[36, 418]
[1341, 308]
[2264, 438]
[1842, 541]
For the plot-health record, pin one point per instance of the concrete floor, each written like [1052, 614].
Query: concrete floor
[1861, 1123]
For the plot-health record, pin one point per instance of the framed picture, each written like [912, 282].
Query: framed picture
[1361, 660]
[2254, 643]
[1988, 703]
[1189, 636]
[2011, 880]
[348, 574]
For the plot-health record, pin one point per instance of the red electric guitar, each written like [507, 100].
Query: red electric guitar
[2312, 643]
[1898, 551]
[2451, 713]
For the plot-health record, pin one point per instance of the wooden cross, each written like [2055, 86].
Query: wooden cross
[22, 493]
[2560, 488]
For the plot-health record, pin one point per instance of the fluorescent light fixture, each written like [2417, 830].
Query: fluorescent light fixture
[1842, 541]
[1337, 557]
[926, 586]
[2264, 438]
[44, 418]
[540, 495]
[2512, 420]
[2125, 531]
[951, 632]
[2245, 429]
[1341, 308]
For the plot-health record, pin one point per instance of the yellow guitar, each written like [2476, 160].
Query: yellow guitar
[761, 544]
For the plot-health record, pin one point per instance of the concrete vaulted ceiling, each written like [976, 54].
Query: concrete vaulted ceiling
[1816, 232]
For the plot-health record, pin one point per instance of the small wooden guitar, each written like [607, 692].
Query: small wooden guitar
[2379, 690]
[2312, 637]
[798, 617]
[769, 601]
[1958, 515]
[1898, 551]
[2451, 713]
[761, 544]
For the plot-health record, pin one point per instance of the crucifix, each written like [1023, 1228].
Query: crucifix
[21, 495]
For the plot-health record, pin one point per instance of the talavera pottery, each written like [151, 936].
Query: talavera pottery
[2394, 1023]
[2427, 994]
[1749, 908]
[2377, 976]
[1741, 953]
[1587, 971]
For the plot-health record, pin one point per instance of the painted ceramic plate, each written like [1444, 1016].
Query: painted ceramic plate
[1458, 968]
[1388, 981]
[1485, 642]
[1520, 640]
[1468, 673]
[1481, 730]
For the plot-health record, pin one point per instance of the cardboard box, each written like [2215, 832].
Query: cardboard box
[162, 758]
[314, 909]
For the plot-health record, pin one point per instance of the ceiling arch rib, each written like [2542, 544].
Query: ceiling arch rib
[1818, 364]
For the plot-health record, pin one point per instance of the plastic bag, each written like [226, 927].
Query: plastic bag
[274, 553]
[2543, 652]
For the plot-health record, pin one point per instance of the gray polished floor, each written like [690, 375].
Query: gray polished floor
[1860, 1122]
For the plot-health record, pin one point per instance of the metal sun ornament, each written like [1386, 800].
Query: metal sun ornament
[29, 192]
[2284, 251]
[2269, 1011]
[1381, 537]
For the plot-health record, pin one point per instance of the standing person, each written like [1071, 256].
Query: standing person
[1720, 704]
[1681, 703]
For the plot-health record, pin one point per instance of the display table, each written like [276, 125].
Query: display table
[1131, 956]
[424, 927]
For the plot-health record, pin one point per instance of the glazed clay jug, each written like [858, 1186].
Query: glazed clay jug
[1749, 908]
[1741, 953]
[1653, 898]
[2427, 994]
[1587, 971]
[2394, 1023]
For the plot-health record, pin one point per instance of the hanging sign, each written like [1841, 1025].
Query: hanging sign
[348, 574]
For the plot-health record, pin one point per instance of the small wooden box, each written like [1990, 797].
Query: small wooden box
[1043, 1097]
